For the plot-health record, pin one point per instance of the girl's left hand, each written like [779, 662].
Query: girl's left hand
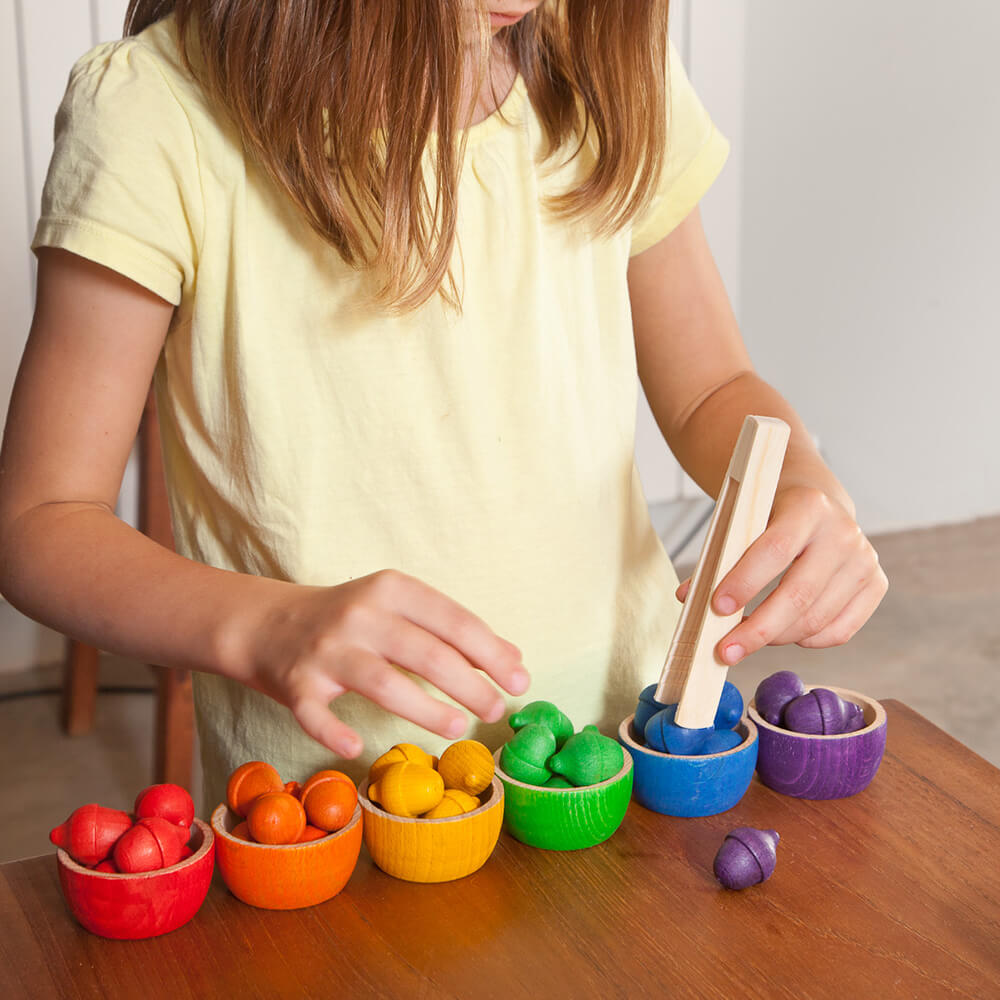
[832, 580]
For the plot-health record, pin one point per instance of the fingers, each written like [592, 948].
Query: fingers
[324, 727]
[767, 558]
[790, 607]
[443, 666]
[831, 584]
[794, 612]
[374, 636]
[858, 610]
[371, 676]
[463, 631]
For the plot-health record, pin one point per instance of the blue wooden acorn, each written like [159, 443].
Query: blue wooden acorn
[729, 712]
[719, 741]
[663, 734]
[747, 857]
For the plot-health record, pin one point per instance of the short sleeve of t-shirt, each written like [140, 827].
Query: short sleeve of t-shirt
[696, 152]
[123, 183]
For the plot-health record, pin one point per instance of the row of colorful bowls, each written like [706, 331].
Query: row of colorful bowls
[437, 850]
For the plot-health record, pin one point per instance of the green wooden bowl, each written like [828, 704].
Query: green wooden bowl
[565, 819]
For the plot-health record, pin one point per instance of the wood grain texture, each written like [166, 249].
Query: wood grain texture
[892, 893]
[433, 850]
[813, 766]
[566, 819]
[285, 876]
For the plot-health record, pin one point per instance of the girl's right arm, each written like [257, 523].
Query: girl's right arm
[68, 561]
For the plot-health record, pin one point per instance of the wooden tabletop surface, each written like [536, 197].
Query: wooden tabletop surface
[892, 893]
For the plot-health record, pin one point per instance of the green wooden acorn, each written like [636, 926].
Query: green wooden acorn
[523, 757]
[588, 758]
[558, 781]
[543, 713]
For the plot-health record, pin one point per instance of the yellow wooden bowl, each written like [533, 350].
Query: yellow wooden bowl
[433, 850]
[285, 876]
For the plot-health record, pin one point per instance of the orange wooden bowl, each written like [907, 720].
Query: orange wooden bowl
[144, 904]
[285, 876]
[433, 850]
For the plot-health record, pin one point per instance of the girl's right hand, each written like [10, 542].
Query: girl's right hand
[367, 636]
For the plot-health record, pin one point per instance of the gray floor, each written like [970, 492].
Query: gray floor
[934, 644]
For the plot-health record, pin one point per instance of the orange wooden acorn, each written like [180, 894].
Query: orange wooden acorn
[151, 844]
[242, 831]
[248, 781]
[312, 833]
[90, 833]
[329, 799]
[276, 818]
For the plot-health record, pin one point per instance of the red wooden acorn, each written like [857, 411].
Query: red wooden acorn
[152, 843]
[90, 833]
[171, 802]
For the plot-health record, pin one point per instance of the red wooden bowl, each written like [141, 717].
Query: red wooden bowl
[143, 905]
[285, 876]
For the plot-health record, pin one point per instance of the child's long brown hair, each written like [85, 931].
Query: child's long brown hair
[309, 83]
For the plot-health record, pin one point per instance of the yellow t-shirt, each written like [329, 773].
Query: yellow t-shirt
[309, 439]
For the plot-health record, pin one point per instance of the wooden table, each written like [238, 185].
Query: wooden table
[893, 893]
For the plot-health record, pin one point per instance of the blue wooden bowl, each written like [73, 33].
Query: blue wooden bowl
[691, 786]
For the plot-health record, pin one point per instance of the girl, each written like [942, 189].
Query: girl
[392, 266]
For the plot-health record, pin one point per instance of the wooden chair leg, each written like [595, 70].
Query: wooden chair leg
[79, 689]
[174, 741]
[174, 732]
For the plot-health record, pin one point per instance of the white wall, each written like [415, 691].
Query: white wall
[39, 42]
[871, 243]
[710, 40]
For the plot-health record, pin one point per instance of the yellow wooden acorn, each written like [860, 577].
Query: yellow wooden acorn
[455, 803]
[399, 754]
[467, 765]
[407, 789]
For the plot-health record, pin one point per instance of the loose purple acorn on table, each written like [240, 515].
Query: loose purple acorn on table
[747, 857]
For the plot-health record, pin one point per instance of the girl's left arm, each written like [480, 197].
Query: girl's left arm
[700, 385]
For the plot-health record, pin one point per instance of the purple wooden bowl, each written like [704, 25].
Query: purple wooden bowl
[821, 767]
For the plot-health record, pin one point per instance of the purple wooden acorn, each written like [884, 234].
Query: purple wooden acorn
[775, 692]
[854, 717]
[747, 856]
[819, 712]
